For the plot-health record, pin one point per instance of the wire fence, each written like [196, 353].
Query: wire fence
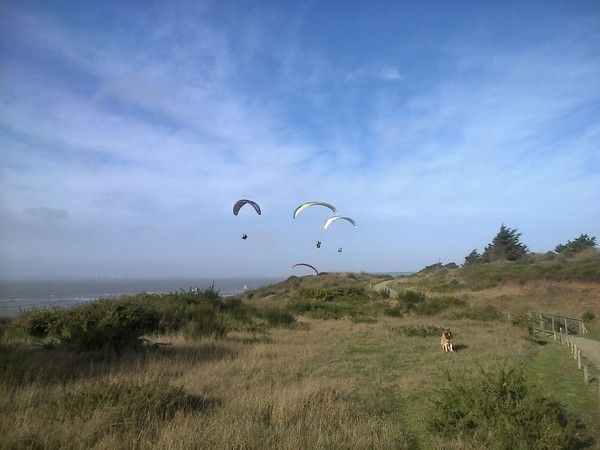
[550, 323]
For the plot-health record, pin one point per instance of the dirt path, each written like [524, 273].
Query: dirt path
[384, 285]
[589, 348]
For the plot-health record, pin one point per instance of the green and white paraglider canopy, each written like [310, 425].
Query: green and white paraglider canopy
[332, 219]
[305, 205]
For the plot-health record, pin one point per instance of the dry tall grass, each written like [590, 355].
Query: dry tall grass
[335, 384]
[318, 384]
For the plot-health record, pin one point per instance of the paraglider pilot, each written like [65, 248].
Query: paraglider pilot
[318, 244]
[244, 236]
[340, 250]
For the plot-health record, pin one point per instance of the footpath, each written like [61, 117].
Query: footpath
[589, 349]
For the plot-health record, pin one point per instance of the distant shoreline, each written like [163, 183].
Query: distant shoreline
[19, 295]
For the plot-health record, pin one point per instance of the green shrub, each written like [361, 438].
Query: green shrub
[521, 320]
[332, 293]
[417, 330]
[588, 316]
[204, 320]
[100, 325]
[335, 302]
[277, 316]
[502, 410]
[411, 298]
[384, 293]
[115, 324]
[436, 305]
[36, 322]
[447, 286]
[394, 311]
[485, 313]
[362, 318]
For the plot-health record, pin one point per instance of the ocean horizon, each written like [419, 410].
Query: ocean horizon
[21, 294]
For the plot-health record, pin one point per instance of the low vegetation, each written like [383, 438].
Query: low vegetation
[313, 362]
[421, 330]
[503, 409]
[116, 324]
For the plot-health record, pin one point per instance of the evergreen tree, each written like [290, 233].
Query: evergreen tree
[473, 258]
[505, 246]
[576, 245]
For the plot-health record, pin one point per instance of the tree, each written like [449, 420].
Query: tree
[583, 242]
[505, 246]
[473, 258]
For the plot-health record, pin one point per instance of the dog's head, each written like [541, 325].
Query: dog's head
[448, 335]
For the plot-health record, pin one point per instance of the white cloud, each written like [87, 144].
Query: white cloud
[383, 74]
[164, 141]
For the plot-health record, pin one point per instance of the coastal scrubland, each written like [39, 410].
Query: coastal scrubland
[325, 361]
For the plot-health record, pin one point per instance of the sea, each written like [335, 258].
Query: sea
[21, 295]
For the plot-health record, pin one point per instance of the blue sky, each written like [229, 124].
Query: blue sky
[128, 131]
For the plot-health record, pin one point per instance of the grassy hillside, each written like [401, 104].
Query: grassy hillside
[570, 286]
[312, 362]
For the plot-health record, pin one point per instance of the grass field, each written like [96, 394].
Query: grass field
[353, 376]
[554, 367]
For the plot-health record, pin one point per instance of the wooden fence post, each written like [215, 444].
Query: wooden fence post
[554, 334]
[552, 318]
[541, 322]
[585, 375]
[579, 358]
[566, 326]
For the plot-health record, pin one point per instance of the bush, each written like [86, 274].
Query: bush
[204, 320]
[101, 325]
[445, 287]
[362, 318]
[332, 293]
[436, 305]
[411, 298]
[316, 309]
[394, 311]
[333, 302]
[486, 314]
[277, 316]
[36, 322]
[588, 316]
[417, 330]
[502, 410]
[521, 320]
[384, 293]
[114, 324]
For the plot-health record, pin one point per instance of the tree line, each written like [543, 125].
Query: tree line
[507, 246]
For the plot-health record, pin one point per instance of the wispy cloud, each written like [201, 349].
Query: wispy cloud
[383, 74]
[143, 140]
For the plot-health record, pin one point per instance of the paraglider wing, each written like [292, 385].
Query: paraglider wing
[306, 265]
[332, 219]
[238, 205]
[303, 206]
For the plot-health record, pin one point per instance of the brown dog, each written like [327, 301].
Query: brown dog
[446, 341]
